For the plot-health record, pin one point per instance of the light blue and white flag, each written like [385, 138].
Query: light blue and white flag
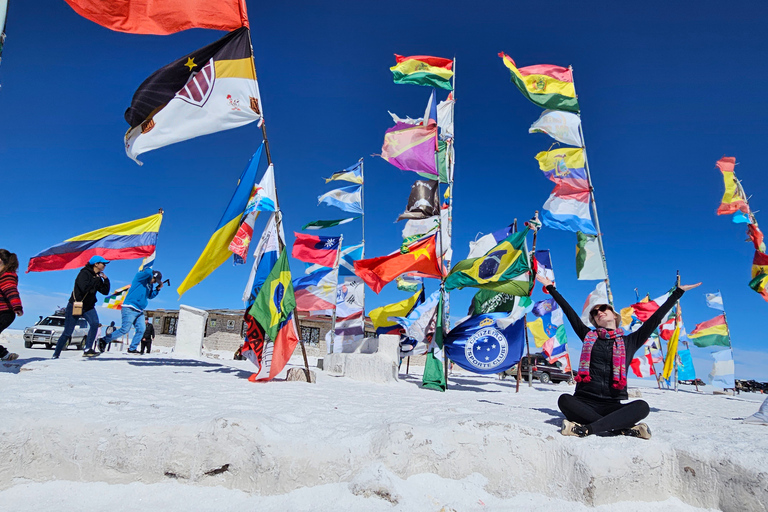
[723, 370]
[561, 126]
[715, 301]
[415, 323]
[344, 198]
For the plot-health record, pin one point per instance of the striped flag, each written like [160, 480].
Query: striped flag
[115, 299]
[642, 366]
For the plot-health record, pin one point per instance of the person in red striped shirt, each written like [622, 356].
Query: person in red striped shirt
[10, 302]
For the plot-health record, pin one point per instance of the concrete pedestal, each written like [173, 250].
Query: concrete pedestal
[190, 331]
[372, 360]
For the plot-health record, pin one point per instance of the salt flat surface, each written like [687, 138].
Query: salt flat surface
[159, 432]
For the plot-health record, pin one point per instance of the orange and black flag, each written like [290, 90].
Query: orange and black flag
[420, 257]
[210, 90]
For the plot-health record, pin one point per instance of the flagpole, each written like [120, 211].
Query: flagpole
[594, 205]
[730, 343]
[525, 325]
[450, 168]
[677, 326]
[443, 249]
[329, 349]
[567, 355]
[362, 219]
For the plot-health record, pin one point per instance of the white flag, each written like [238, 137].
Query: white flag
[561, 126]
[599, 296]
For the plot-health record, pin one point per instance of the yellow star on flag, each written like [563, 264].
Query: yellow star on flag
[190, 63]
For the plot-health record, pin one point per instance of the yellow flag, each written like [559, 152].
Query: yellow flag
[669, 362]
[380, 316]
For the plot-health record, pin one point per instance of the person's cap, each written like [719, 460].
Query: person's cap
[157, 275]
[594, 308]
[97, 259]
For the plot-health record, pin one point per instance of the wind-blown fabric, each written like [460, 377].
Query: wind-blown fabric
[263, 199]
[276, 300]
[126, 241]
[210, 90]
[423, 70]
[423, 201]
[162, 18]
[420, 257]
[346, 262]
[479, 345]
[217, 250]
[562, 126]
[347, 199]
[316, 291]
[589, 263]
[733, 200]
[353, 174]
[545, 85]
[723, 369]
[568, 205]
[265, 257]
[487, 242]
[411, 148]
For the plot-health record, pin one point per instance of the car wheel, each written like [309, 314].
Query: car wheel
[49, 346]
[27, 344]
[544, 378]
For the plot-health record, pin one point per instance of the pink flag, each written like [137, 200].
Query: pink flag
[411, 148]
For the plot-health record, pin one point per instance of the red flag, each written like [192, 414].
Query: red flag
[270, 358]
[322, 250]
[756, 236]
[420, 256]
[163, 17]
[666, 329]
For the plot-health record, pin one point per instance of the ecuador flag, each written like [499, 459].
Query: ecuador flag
[423, 70]
[210, 90]
[134, 239]
[505, 268]
[217, 250]
[545, 85]
[733, 199]
[276, 300]
[420, 256]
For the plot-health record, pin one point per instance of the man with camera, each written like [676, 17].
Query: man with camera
[134, 305]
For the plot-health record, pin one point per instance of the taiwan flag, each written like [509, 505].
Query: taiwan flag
[316, 249]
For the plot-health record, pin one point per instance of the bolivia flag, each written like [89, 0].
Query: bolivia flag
[423, 70]
[210, 90]
[420, 256]
[545, 85]
[733, 201]
[127, 241]
[322, 250]
[711, 332]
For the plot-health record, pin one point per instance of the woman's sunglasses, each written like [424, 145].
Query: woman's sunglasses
[601, 308]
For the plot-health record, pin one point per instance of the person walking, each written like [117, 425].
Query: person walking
[601, 381]
[134, 305]
[10, 301]
[109, 330]
[89, 281]
[148, 337]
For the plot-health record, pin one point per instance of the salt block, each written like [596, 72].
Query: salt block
[300, 375]
[634, 393]
[190, 331]
[374, 360]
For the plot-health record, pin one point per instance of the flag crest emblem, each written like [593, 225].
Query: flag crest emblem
[487, 348]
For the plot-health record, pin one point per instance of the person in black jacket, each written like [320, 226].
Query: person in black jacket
[148, 336]
[601, 381]
[90, 280]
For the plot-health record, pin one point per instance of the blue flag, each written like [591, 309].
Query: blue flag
[715, 301]
[478, 344]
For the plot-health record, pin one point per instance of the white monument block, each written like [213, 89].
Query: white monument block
[190, 331]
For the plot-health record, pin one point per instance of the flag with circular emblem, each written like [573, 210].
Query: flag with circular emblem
[276, 300]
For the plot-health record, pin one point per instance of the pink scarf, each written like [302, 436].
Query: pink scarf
[619, 356]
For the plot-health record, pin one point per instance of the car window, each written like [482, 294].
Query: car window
[57, 322]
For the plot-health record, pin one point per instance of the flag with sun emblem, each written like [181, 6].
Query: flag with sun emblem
[210, 90]
[505, 268]
[275, 301]
[480, 345]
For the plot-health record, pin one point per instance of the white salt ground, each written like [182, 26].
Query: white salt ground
[156, 432]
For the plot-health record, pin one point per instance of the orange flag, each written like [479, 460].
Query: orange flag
[163, 17]
[420, 256]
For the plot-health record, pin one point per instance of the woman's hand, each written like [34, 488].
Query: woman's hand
[546, 282]
[686, 287]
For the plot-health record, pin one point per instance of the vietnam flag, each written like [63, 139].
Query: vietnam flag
[420, 256]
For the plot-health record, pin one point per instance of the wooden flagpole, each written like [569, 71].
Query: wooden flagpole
[594, 207]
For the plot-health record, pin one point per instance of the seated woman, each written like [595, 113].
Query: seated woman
[601, 382]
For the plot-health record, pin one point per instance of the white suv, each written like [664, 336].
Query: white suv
[48, 331]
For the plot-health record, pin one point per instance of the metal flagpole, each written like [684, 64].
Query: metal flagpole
[329, 348]
[443, 249]
[594, 205]
[730, 343]
[677, 326]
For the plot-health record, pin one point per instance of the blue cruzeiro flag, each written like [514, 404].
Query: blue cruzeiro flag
[479, 345]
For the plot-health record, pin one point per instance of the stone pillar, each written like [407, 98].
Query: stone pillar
[190, 331]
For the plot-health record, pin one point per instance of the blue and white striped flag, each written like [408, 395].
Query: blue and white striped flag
[344, 198]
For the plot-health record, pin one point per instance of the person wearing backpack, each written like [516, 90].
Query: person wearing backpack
[82, 302]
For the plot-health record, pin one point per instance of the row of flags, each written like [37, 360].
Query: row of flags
[568, 206]
[735, 203]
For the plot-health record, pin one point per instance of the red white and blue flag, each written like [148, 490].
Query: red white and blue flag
[316, 291]
[316, 249]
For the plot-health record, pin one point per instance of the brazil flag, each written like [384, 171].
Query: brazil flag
[275, 301]
[505, 268]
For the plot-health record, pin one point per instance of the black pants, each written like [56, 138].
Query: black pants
[602, 415]
[6, 319]
[146, 344]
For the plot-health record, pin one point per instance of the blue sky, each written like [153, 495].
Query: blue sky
[665, 91]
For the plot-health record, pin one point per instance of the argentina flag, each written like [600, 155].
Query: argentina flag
[479, 345]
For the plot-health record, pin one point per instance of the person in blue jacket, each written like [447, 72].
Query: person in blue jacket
[134, 305]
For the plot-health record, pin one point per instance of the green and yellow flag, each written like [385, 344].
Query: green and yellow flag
[275, 301]
[505, 268]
